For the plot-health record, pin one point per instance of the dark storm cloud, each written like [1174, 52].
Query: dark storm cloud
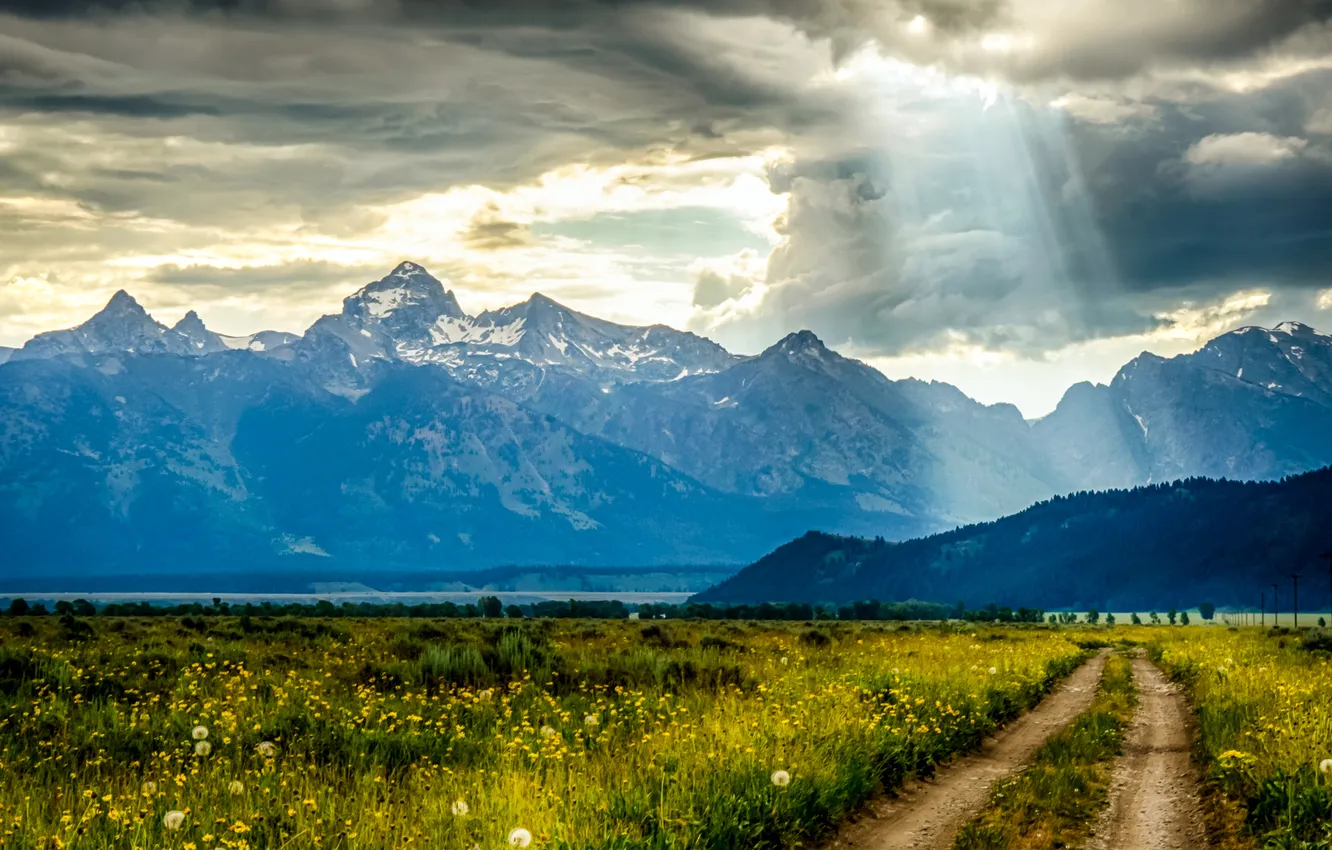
[393, 112]
[1107, 39]
[288, 278]
[303, 115]
[489, 230]
[1173, 222]
[1091, 230]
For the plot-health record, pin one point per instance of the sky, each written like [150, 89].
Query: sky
[1008, 195]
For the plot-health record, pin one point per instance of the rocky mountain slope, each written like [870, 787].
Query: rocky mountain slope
[1251, 404]
[404, 432]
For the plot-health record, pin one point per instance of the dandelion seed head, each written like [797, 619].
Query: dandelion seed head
[781, 778]
[267, 749]
[520, 837]
[1325, 765]
[994, 670]
[783, 659]
[236, 787]
[547, 732]
[199, 733]
[460, 807]
[202, 748]
[150, 788]
[591, 720]
[173, 819]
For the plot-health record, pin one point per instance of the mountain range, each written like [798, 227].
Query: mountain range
[1153, 547]
[403, 433]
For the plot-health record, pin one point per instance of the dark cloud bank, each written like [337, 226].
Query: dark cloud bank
[1138, 214]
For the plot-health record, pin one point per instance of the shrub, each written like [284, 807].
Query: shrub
[452, 665]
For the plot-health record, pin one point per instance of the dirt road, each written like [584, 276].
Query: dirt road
[1154, 795]
[928, 814]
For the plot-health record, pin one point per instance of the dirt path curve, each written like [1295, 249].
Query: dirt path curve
[929, 813]
[1154, 795]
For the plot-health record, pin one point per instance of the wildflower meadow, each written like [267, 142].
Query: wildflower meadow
[221, 732]
[1263, 700]
[571, 734]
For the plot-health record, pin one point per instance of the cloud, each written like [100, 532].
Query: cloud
[728, 281]
[1023, 40]
[291, 279]
[242, 149]
[1243, 149]
[489, 230]
[1105, 111]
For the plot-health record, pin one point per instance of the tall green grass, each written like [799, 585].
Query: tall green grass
[1054, 802]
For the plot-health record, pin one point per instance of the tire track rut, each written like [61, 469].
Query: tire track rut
[1154, 803]
[928, 813]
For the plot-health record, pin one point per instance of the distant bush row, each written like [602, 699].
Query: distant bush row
[492, 607]
[486, 606]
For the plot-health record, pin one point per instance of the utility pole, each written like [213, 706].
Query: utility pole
[1295, 577]
[1276, 606]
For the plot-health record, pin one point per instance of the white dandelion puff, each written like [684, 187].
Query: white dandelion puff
[173, 819]
[460, 807]
[202, 748]
[199, 733]
[236, 787]
[520, 837]
[1325, 765]
[267, 749]
[994, 670]
[150, 788]
[783, 659]
[591, 720]
[485, 695]
[547, 732]
[781, 778]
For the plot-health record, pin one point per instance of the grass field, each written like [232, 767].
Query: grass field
[1054, 802]
[575, 734]
[214, 732]
[1264, 706]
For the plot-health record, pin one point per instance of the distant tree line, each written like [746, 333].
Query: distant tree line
[870, 609]
[493, 607]
[486, 606]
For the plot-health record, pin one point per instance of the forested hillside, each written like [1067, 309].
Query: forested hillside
[1156, 546]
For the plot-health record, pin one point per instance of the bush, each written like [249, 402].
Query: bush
[452, 665]
[1318, 640]
[814, 637]
[517, 652]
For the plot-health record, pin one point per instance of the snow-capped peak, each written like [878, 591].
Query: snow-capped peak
[122, 304]
[800, 342]
[121, 326]
[407, 268]
[408, 286]
[196, 337]
[1294, 329]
